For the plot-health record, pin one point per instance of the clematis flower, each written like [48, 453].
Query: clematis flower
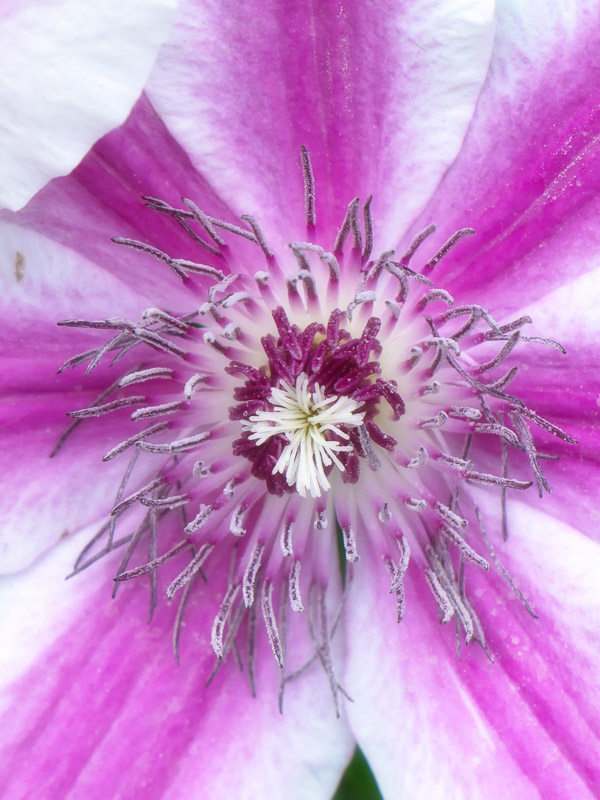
[265, 340]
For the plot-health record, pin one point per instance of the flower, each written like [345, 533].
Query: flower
[282, 370]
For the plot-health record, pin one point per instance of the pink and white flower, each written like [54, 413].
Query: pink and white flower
[281, 345]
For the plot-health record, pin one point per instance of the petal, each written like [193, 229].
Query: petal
[433, 726]
[103, 199]
[526, 178]
[45, 498]
[380, 93]
[565, 389]
[91, 59]
[150, 725]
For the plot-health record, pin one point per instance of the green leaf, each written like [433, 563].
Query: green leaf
[358, 782]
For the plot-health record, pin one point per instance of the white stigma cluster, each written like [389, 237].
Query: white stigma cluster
[304, 417]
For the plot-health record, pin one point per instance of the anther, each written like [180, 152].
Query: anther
[145, 375]
[157, 411]
[446, 247]
[192, 569]
[349, 543]
[132, 498]
[138, 437]
[368, 220]
[294, 587]
[309, 188]
[221, 619]
[286, 539]
[259, 235]
[201, 518]
[251, 573]
[204, 220]
[236, 523]
[416, 243]
[106, 408]
[270, 621]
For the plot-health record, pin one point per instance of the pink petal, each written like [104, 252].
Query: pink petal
[71, 71]
[431, 725]
[526, 178]
[565, 388]
[43, 498]
[101, 200]
[105, 710]
[380, 93]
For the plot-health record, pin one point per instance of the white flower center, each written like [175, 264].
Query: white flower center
[304, 417]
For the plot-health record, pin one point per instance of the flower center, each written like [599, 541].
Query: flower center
[299, 412]
[313, 426]
[293, 354]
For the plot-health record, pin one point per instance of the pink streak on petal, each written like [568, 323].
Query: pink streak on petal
[107, 712]
[101, 199]
[379, 92]
[43, 498]
[475, 729]
[566, 389]
[526, 178]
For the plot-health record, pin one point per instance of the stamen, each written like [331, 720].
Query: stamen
[220, 620]
[179, 266]
[181, 216]
[495, 480]
[159, 342]
[441, 598]
[286, 539]
[156, 315]
[131, 547]
[419, 460]
[152, 556]
[270, 621]
[503, 493]
[250, 575]
[355, 225]
[145, 375]
[416, 243]
[169, 503]
[368, 219]
[259, 235]
[508, 347]
[454, 536]
[505, 380]
[294, 586]
[156, 411]
[236, 523]
[192, 383]
[544, 424]
[200, 519]
[178, 446]
[185, 576]
[501, 569]
[205, 221]
[309, 188]
[446, 247]
[155, 563]
[106, 408]
[340, 239]
[179, 618]
[507, 434]
[526, 439]
[132, 498]
[436, 294]
[350, 544]
[451, 594]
